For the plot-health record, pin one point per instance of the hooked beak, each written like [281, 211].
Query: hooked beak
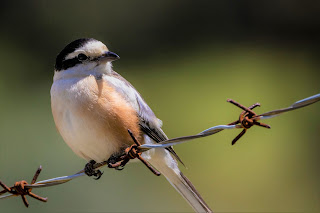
[109, 56]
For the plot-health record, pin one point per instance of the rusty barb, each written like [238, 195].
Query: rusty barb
[247, 119]
[19, 189]
[132, 152]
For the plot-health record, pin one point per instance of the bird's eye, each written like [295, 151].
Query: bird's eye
[82, 57]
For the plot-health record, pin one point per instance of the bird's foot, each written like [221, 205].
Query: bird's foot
[118, 162]
[91, 171]
[132, 152]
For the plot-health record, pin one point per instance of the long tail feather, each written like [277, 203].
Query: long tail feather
[162, 160]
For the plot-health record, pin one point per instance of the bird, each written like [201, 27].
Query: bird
[94, 107]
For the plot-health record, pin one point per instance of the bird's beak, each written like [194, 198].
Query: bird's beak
[109, 56]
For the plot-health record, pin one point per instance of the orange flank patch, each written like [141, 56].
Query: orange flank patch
[118, 113]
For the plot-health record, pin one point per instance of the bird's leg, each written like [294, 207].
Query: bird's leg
[91, 171]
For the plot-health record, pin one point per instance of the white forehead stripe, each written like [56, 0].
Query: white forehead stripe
[91, 49]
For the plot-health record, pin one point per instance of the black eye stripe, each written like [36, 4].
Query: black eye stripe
[61, 63]
[74, 61]
[70, 63]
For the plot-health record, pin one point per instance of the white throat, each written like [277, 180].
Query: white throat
[83, 70]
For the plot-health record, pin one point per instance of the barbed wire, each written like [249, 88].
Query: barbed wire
[247, 119]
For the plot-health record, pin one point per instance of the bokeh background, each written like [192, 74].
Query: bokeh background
[186, 58]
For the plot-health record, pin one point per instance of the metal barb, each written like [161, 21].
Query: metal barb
[19, 189]
[132, 152]
[247, 119]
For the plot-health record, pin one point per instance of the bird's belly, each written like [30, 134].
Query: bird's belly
[93, 125]
[87, 137]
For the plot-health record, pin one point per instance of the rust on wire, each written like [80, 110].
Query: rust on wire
[19, 189]
[247, 119]
[132, 152]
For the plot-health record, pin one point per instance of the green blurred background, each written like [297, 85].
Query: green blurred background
[186, 58]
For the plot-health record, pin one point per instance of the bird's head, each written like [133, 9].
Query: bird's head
[85, 54]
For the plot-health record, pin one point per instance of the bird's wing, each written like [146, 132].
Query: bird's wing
[148, 121]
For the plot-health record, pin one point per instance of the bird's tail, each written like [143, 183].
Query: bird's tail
[162, 160]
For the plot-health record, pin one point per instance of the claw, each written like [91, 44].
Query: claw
[119, 168]
[98, 174]
[132, 152]
[91, 171]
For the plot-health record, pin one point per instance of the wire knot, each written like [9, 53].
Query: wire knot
[20, 189]
[131, 152]
[247, 119]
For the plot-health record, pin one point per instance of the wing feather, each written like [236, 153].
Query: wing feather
[148, 121]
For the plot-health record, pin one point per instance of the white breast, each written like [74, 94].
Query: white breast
[84, 128]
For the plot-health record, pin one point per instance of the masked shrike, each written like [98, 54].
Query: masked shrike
[93, 107]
